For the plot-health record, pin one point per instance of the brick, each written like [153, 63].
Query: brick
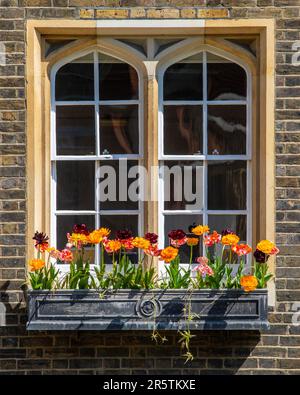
[212, 13]
[112, 14]
[137, 12]
[87, 13]
[188, 13]
[164, 13]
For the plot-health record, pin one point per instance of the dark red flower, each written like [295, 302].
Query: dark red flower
[177, 234]
[152, 237]
[227, 231]
[41, 240]
[260, 256]
[124, 234]
[81, 228]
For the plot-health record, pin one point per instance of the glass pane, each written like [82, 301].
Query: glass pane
[183, 129]
[75, 130]
[227, 185]
[236, 223]
[114, 173]
[225, 79]
[184, 222]
[183, 185]
[227, 130]
[183, 81]
[121, 222]
[65, 224]
[75, 185]
[119, 130]
[118, 81]
[75, 80]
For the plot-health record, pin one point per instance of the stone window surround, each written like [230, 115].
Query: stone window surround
[90, 33]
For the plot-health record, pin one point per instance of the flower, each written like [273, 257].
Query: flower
[267, 247]
[66, 255]
[53, 252]
[202, 259]
[204, 269]
[200, 230]
[249, 283]
[260, 257]
[212, 239]
[152, 250]
[177, 234]
[227, 231]
[123, 234]
[141, 242]
[192, 241]
[177, 237]
[112, 246]
[41, 241]
[152, 237]
[36, 264]
[81, 229]
[168, 254]
[241, 249]
[98, 235]
[78, 239]
[230, 239]
[127, 243]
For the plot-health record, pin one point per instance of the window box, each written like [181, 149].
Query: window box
[147, 310]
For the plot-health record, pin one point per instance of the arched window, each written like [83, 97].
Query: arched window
[95, 122]
[205, 135]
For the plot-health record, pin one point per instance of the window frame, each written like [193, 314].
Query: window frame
[205, 158]
[94, 32]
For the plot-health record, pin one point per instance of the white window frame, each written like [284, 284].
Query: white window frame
[98, 157]
[204, 157]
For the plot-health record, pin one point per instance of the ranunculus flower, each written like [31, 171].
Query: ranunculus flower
[230, 239]
[200, 230]
[124, 234]
[168, 254]
[241, 249]
[36, 264]
[66, 255]
[177, 234]
[268, 247]
[249, 283]
[127, 243]
[213, 238]
[152, 237]
[203, 260]
[260, 257]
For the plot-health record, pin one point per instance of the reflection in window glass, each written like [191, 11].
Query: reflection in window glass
[118, 81]
[227, 130]
[75, 185]
[227, 185]
[183, 129]
[225, 80]
[236, 223]
[119, 131]
[183, 185]
[75, 130]
[75, 80]
[184, 222]
[183, 81]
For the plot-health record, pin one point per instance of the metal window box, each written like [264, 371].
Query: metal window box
[144, 310]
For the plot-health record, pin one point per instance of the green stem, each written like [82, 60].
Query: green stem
[191, 255]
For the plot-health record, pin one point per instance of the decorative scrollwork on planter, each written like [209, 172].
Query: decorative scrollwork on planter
[148, 308]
